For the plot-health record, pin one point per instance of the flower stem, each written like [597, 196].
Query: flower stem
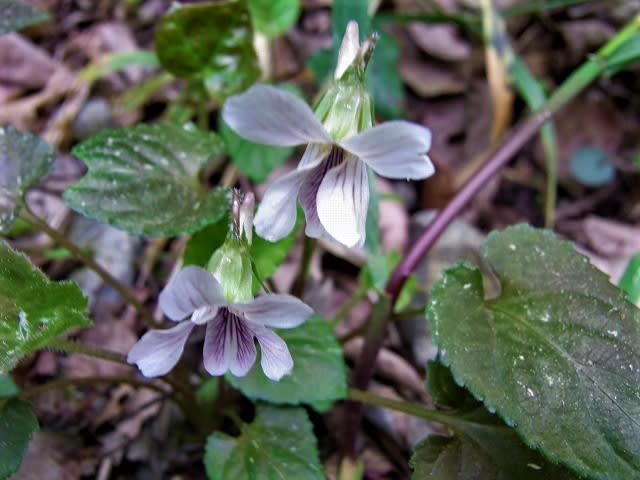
[70, 346]
[66, 382]
[91, 263]
[308, 247]
[412, 409]
[520, 135]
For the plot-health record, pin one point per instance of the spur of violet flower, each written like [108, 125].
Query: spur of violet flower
[331, 180]
[221, 299]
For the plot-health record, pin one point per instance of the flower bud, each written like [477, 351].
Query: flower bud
[346, 108]
[231, 263]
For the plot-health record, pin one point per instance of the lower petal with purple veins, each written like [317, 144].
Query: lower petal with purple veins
[228, 345]
[309, 192]
[343, 199]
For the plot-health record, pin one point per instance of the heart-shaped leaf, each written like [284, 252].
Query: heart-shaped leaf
[211, 42]
[316, 354]
[144, 179]
[33, 309]
[556, 353]
[24, 160]
[279, 444]
[15, 15]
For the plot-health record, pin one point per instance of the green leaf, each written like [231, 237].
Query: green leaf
[316, 355]
[279, 444]
[483, 448]
[342, 12]
[15, 15]
[630, 281]
[212, 42]
[267, 256]
[256, 161]
[144, 179]
[204, 242]
[444, 390]
[626, 54]
[33, 309]
[383, 79]
[556, 353]
[17, 426]
[274, 17]
[24, 160]
[7, 387]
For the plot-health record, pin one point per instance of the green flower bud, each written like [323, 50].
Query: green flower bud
[231, 263]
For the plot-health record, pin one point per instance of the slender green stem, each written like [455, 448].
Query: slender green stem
[91, 263]
[70, 346]
[67, 382]
[357, 297]
[401, 406]
[308, 246]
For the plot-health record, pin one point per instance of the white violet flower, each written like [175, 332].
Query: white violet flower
[331, 179]
[231, 328]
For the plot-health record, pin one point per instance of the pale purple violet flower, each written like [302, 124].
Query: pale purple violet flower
[231, 328]
[331, 179]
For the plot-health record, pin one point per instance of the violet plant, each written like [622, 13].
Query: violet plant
[537, 379]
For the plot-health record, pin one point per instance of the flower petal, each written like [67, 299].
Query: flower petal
[275, 360]
[276, 214]
[157, 352]
[271, 116]
[275, 310]
[309, 192]
[343, 198]
[348, 49]
[395, 149]
[228, 345]
[191, 288]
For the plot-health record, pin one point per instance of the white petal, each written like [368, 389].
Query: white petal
[271, 116]
[395, 149]
[228, 345]
[343, 198]
[276, 214]
[348, 48]
[157, 352]
[276, 360]
[191, 288]
[275, 310]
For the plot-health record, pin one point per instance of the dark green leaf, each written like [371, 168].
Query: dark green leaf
[267, 256]
[556, 354]
[443, 388]
[144, 179]
[24, 160]
[279, 444]
[17, 426]
[7, 387]
[484, 448]
[383, 79]
[342, 12]
[626, 54]
[212, 42]
[254, 160]
[33, 309]
[204, 242]
[316, 355]
[15, 15]
[274, 17]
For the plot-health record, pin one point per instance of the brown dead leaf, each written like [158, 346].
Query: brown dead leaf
[429, 78]
[441, 41]
[24, 64]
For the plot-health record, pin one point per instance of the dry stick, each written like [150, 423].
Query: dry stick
[91, 263]
[576, 82]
